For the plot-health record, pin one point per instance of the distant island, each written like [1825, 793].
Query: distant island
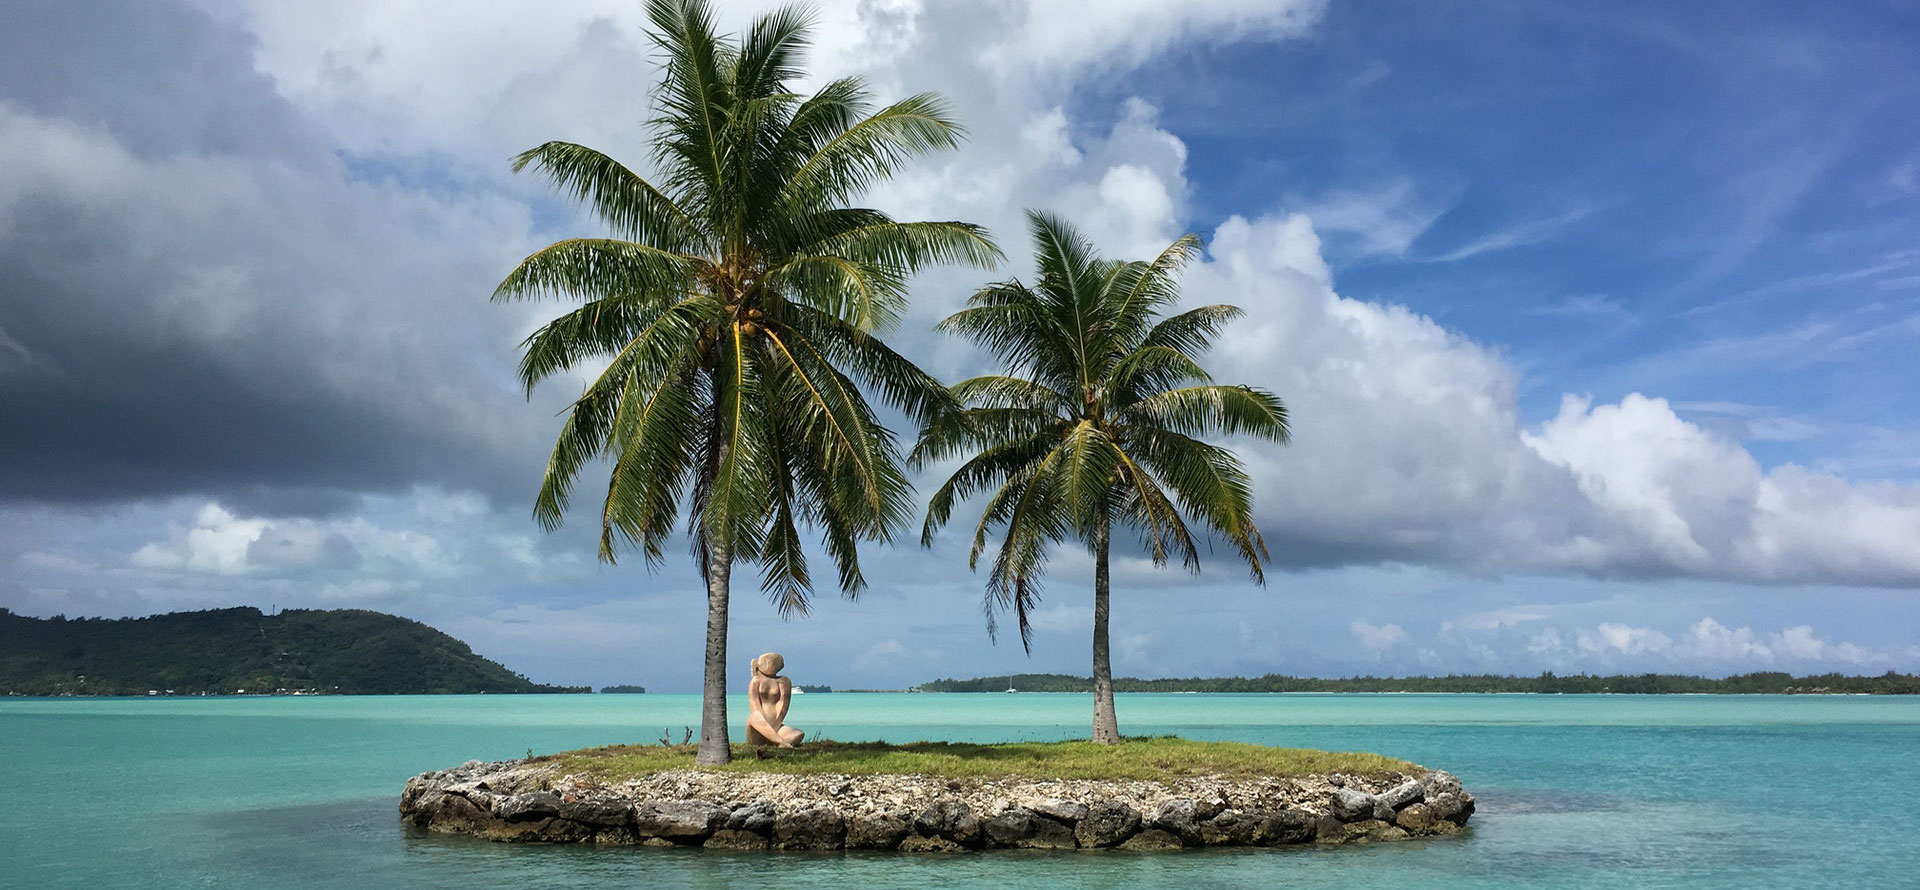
[242, 651]
[623, 689]
[1890, 683]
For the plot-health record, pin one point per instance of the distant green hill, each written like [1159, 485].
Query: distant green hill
[224, 651]
[1889, 683]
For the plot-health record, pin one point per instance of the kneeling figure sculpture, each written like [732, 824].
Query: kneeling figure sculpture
[768, 697]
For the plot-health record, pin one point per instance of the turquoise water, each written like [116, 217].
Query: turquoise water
[1575, 791]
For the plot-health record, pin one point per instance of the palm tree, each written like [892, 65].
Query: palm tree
[734, 306]
[1096, 423]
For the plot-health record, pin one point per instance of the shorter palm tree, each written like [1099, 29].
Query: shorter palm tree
[1096, 423]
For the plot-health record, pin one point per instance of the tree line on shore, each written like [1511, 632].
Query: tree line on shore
[1758, 683]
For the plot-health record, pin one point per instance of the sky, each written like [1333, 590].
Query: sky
[1596, 324]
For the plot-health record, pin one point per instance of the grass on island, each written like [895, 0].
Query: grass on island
[1134, 758]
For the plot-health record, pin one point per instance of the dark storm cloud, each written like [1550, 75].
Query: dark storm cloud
[195, 297]
[161, 77]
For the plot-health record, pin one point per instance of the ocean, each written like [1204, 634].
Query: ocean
[1574, 791]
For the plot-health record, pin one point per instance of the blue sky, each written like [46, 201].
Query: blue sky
[1713, 202]
[1597, 324]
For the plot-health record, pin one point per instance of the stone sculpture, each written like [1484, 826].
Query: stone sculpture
[768, 697]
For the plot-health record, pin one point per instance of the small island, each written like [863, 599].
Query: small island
[1143, 794]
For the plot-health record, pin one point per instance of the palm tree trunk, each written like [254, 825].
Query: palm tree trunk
[714, 744]
[1106, 727]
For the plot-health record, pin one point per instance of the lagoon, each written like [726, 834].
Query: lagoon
[1575, 791]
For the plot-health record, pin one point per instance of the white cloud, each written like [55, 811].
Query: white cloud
[217, 542]
[1381, 222]
[1520, 235]
[1582, 306]
[1683, 494]
[1706, 645]
[1133, 648]
[1377, 637]
[1121, 33]
[1493, 620]
[880, 655]
[1409, 446]
[1061, 618]
[1623, 639]
[1751, 422]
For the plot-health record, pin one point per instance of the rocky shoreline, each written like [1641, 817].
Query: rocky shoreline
[531, 801]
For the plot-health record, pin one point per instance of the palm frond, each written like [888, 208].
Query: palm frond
[871, 150]
[1199, 410]
[596, 268]
[632, 206]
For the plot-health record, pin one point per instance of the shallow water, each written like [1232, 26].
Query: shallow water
[1575, 791]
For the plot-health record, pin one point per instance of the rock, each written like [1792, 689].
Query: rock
[1230, 828]
[415, 788]
[1176, 817]
[1352, 806]
[949, 818]
[878, 831]
[1106, 823]
[1451, 807]
[1061, 810]
[419, 807]
[1010, 827]
[1408, 792]
[456, 813]
[1415, 819]
[1021, 827]
[615, 837]
[1288, 826]
[598, 811]
[812, 828]
[677, 819]
[755, 817]
[550, 830]
[1360, 832]
[1386, 832]
[1152, 839]
[482, 798]
[736, 839]
[528, 807]
[1440, 782]
[537, 802]
[920, 844]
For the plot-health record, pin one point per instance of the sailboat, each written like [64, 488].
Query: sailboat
[1010, 684]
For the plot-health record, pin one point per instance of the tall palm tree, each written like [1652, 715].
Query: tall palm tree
[1095, 424]
[734, 306]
